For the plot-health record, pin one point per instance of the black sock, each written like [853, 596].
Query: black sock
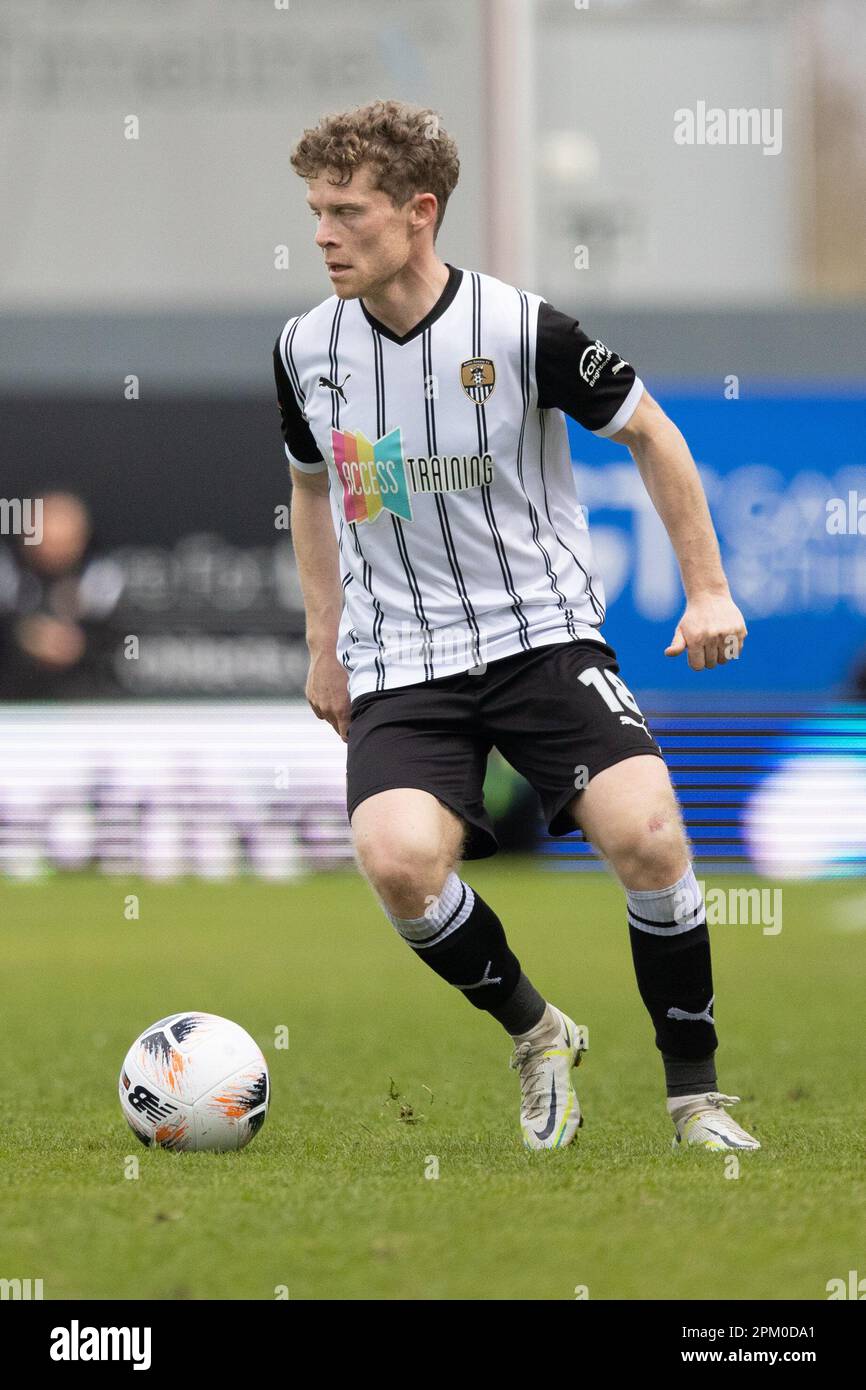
[690, 1078]
[463, 941]
[670, 948]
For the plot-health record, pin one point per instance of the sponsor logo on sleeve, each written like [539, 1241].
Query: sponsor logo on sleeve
[593, 361]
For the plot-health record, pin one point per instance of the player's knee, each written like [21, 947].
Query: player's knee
[655, 852]
[405, 873]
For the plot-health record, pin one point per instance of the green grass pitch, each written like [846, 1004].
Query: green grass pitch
[387, 1069]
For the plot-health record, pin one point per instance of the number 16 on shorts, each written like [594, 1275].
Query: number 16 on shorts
[616, 695]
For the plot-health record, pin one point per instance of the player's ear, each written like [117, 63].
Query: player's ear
[425, 209]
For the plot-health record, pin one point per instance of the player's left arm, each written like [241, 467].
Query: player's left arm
[712, 627]
[604, 394]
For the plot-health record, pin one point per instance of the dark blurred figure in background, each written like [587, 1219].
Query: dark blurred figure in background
[54, 598]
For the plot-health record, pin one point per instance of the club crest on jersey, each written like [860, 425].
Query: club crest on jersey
[377, 476]
[478, 378]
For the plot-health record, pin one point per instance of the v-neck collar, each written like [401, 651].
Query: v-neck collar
[452, 285]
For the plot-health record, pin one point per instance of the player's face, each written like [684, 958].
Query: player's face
[365, 239]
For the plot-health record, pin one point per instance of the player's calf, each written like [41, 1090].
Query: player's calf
[671, 952]
[631, 813]
[407, 844]
[461, 938]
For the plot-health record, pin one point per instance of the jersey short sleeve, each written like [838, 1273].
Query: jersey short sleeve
[581, 376]
[302, 451]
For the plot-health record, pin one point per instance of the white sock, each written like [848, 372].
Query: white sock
[444, 915]
[675, 1103]
[545, 1032]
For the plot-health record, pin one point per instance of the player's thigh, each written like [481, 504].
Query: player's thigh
[630, 812]
[562, 717]
[406, 838]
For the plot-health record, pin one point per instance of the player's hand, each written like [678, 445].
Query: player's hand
[712, 629]
[327, 691]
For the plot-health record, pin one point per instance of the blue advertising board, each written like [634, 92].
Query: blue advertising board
[785, 476]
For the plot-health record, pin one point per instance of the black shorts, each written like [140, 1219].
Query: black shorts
[554, 728]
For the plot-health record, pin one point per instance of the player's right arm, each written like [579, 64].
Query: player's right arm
[317, 558]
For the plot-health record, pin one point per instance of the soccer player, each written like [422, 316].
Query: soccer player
[452, 604]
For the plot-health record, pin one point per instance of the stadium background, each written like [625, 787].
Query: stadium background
[166, 803]
[144, 280]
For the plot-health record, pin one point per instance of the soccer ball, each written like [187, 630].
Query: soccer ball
[194, 1081]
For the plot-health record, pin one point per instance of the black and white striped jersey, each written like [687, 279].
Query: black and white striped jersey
[452, 492]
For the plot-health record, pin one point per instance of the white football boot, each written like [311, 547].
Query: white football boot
[700, 1121]
[549, 1109]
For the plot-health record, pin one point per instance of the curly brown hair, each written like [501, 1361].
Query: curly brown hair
[407, 146]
